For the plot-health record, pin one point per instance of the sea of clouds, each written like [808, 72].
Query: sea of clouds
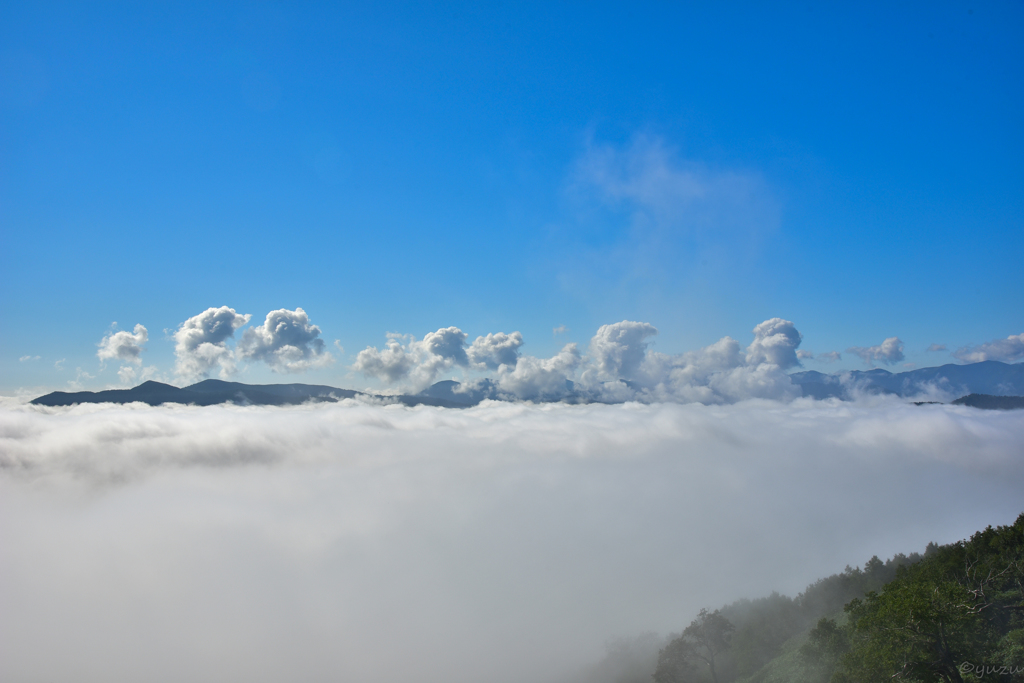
[503, 543]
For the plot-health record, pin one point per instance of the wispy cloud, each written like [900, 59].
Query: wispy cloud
[646, 219]
[663, 190]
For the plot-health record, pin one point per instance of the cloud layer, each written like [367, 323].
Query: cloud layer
[503, 543]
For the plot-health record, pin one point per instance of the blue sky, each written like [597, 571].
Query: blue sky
[516, 167]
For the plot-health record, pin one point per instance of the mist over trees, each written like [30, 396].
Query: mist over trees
[956, 616]
[744, 635]
[953, 614]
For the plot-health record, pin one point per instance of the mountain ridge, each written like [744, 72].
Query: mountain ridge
[991, 381]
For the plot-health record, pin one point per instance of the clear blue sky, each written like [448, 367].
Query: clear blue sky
[856, 169]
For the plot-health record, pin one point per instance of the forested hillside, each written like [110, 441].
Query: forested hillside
[955, 613]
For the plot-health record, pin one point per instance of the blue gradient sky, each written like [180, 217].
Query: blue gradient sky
[858, 170]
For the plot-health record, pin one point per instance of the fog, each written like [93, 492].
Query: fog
[502, 543]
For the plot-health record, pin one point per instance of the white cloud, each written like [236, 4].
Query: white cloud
[667, 191]
[718, 373]
[620, 366]
[24, 359]
[889, 352]
[129, 375]
[936, 347]
[200, 342]
[59, 365]
[619, 348]
[391, 365]
[540, 379]
[449, 344]
[1009, 350]
[775, 342]
[414, 363]
[561, 329]
[286, 341]
[495, 350]
[804, 354]
[124, 346]
[830, 357]
[81, 376]
[502, 543]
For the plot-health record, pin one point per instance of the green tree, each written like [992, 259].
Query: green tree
[826, 644]
[950, 617]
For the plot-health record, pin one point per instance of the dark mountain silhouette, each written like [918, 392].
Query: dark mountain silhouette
[215, 391]
[988, 377]
[450, 390]
[991, 402]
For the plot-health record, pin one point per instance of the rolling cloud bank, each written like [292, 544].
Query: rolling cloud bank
[617, 365]
[504, 542]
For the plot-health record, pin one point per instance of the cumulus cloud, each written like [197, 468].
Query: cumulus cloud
[775, 342]
[830, 357]
[561, 329]
[448, 343]
[495, 350]
[936, 347]
[124, 346]
[619, 348]
[719, 373]
[414, 363]
[201, 342]
[1009, 350]
[286, 341]
[540, 379]
[804, 354]
[620, 366]
[502, 543]
[391, 364]
[889, 352]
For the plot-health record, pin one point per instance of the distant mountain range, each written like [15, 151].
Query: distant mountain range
[988, 377]
[989, 384]
[214, 391]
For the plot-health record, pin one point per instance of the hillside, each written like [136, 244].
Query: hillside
[917, 617]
